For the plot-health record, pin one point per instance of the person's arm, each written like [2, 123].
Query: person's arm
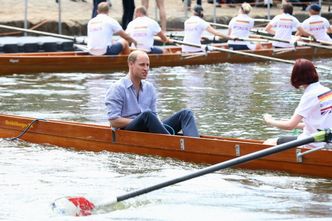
[303, 32]
[125, 36]
[269, 29]
[120, 122]
[229, 31]
[217, 33]
[329, 30]
[114, 102]
[163, 37]
[294, 122]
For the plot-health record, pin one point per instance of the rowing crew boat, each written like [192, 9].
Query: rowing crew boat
[206, 149]
[83, 62]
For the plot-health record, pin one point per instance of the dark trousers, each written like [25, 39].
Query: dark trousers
[148, 122]
[128, 12]
[198, 2]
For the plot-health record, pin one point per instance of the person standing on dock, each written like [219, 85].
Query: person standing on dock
[314, 111]
[317, 25]
[100, 33]
[131, 103]
[240, 27]
[282, 26]
[194, 28]
[128, 12]
[143, 29]
[162, 12]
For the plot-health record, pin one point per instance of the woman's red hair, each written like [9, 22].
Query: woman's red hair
[304, 73]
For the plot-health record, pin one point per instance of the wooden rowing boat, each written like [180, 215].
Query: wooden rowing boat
[206, 149]
[82, 62]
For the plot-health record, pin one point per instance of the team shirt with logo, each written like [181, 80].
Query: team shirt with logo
[143, 29]
[284, 24]
[316, 109]
[100, 32]
[318, 26]
[240, 27]
[193, 29]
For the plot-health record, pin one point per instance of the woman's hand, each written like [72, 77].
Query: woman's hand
[268, 118]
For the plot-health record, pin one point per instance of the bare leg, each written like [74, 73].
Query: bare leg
[125, 46]
[162, 14]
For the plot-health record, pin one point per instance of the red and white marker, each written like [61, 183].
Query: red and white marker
[77, 206]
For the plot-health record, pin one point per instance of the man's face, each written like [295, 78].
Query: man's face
[140, 68]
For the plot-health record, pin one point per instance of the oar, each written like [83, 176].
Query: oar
[264, 35]
[244, 54]
[299, 43]
[319, 41]
[216, 38]
[80, 206]
[43, 33]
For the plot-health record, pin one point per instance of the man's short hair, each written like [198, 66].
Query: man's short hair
[142, 10]
[288, 9]
[132, 57]
[103, 7]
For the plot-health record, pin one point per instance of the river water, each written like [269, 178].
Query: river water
[227, 99]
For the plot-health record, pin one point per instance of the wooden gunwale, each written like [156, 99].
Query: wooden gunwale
[207, 149]
[82, 62]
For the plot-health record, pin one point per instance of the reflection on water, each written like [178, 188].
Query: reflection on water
[227, 99]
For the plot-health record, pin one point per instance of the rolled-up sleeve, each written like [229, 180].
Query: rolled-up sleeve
[114, 102]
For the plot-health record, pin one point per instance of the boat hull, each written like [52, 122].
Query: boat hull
[63, 62]
[206, 149]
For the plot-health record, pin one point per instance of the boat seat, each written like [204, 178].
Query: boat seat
[10, 48]
[49, 46]
[30, 47]
[67, 46]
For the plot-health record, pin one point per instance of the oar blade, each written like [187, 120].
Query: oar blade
[73, 206]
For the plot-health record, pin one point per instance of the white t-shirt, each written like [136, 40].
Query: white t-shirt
[316, 109]
[143, 29]
[193, 30]
[100, 32]
[284, 25]
[318, 26]
[240, 26]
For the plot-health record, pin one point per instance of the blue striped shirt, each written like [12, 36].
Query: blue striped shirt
[122, 100]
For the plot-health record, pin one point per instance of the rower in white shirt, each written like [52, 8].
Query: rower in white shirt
[317, 25]
[143, 29]
[100, 34]
[282, 26]
[194, 28]
[240, 27]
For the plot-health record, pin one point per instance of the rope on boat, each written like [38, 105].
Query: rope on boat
[25, 130]
[170, 129]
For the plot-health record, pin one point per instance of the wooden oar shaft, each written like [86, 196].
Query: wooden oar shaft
[264, 34]
[247, 54]
[218, 25]
[237, 52]
[319, 41]
[318, 137]
[39, 32]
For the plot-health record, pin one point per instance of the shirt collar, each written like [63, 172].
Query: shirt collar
[128, 83]
[312, 86]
